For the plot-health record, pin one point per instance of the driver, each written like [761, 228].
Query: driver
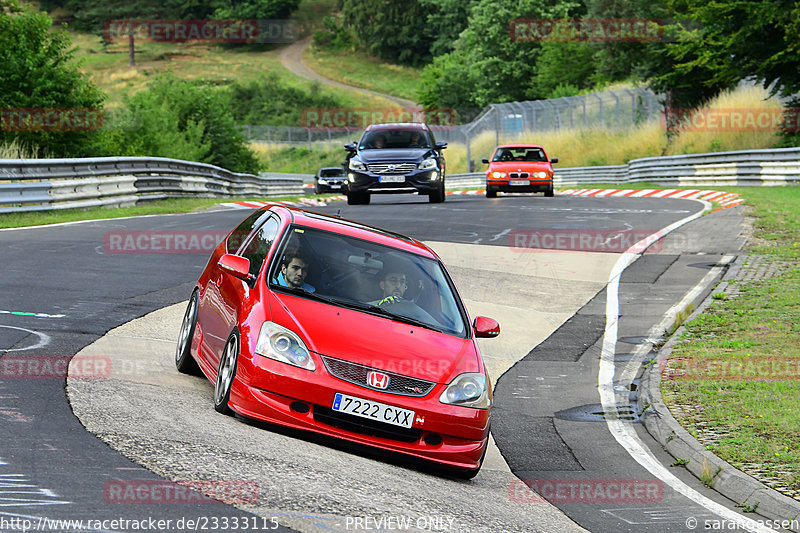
[294, 269]
[393, 284]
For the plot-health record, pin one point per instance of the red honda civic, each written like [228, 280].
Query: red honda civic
[324, 324]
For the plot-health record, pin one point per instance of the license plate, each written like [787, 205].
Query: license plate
[373, 410]
[335, 186]
[519, 182]
[392, 179]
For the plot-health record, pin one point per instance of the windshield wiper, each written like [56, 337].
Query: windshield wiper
[372, 308]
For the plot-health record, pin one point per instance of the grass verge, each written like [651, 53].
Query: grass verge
[733, 379]
[158, 207]
[357, 69]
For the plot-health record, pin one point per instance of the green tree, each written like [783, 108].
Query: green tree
[486, 65]
[727, 42]
[37, 71]
[181, 119]
[391, 30]
[447, 19]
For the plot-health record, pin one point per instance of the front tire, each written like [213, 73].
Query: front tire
[549, 193]
[491, 194]
[184, 361]
[437, 196]
[225, 375]
[357, 198]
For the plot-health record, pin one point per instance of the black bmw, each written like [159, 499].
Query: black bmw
[395, 158]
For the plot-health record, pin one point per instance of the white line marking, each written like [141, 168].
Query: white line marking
[623, 432]
[44, 340]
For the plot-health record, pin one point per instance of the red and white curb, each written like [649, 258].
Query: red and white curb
[724, 199]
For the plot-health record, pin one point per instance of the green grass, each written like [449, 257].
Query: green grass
[158, 207]
[219, 65]
[297, 160]
[740, 356]
[358, 69]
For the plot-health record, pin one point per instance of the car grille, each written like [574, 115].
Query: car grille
[521, 175]
[365, 426]
[391, 168]
[357, 374]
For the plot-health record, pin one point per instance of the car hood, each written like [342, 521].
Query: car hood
[376, 341]
[517, 166]
[394, 155]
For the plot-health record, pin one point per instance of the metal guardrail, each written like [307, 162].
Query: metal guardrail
[44, 184]
[722, 169]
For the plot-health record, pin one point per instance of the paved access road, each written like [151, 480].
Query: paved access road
[544, 424]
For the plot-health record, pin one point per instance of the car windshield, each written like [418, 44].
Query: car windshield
[519, 153]
[370, 278]
[400, 138]
[332, 172]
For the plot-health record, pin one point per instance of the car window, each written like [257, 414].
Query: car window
[348, 271]
[243, 230]
[257, 249]
[519, 153]
[329, 173]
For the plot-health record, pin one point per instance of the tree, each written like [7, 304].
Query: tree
[727, 42]
[37, 74]
[181, 119]
[391, 30]
[486, 65]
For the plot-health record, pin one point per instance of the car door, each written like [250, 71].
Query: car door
[216, 314]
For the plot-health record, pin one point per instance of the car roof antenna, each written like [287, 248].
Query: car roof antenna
[339, 213]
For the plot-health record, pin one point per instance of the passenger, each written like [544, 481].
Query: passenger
[294, 269]
[379, 142]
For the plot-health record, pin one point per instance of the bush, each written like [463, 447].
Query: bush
[183, 120]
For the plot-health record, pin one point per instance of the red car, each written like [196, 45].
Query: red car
[324, 324]
[519, 168]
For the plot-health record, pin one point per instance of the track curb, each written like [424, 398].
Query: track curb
[721, 476]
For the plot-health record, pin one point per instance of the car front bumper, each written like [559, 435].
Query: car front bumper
[450, 435]
[507, 185]
[422, 181]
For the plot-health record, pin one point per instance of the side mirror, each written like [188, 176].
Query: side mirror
[485, 327]
[554, 160]
[350, 147]
[485, 161]
[441, 146]
[236, 265]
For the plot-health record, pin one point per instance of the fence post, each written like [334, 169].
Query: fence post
[469, 157]
[616, 108]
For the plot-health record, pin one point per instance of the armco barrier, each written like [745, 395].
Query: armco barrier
[43, 184]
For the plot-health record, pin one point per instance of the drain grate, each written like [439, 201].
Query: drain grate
[594, 413]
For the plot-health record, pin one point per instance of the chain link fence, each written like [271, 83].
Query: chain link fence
[615, 109]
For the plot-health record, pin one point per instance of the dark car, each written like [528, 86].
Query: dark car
[395, 158]
[519, 168]
[291, 322]
[329, 179]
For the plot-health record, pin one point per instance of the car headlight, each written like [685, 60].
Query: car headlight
[355, 164]
[282, 344]
[541, 175]
[428, 164]
[468, 390]
[498, 175]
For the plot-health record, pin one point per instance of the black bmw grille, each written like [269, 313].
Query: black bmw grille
[522, 175]
[357, 374]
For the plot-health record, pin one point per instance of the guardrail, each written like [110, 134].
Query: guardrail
[722, 169]
[44, 184]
